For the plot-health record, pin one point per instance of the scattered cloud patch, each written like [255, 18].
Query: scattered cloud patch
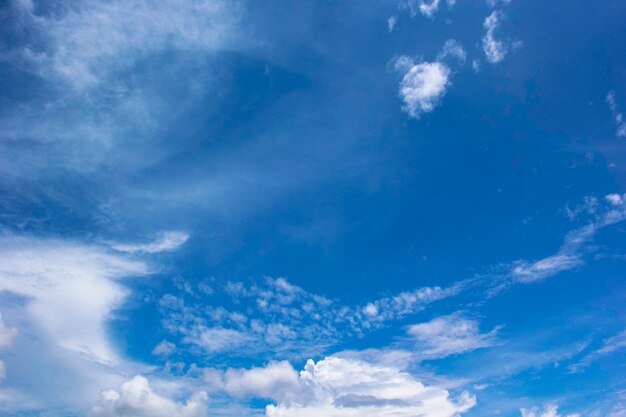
[450, 335]
[137, 398]
[618, 117]
[495, 3]
[551, 410]
[495, 50]
[164, 348]
[166, 242]
[7, 334]
[391, 23]
[609, 346]
[452, 50]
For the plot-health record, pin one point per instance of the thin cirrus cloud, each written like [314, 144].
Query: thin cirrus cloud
[167, 241]
[551, 410]
[89, 39]
[450, 335]
[618, 117]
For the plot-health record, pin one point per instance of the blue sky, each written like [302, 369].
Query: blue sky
[332, 209]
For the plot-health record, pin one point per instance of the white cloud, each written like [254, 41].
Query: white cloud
[494, 3]
[452, 49]
[88, 39]
[495, 50]
[391, 23]
[609, 346]
[551, 410]
[217, 339]
[423, 87]
[278, 381]
[164, 348]
[525, 271]
[449, 335]
[167, 241]
[339, 387]
[6, 334]
[618, 117]
[137, 399]
[72, 288]
[429, 7]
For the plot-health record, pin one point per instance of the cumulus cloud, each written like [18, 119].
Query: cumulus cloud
[551, 410]
[424, 84]
[495, 50]
[618, 117]
[449, 335]
[427, 8]
[167, 241]
[423, 87]
[137, 399]
[278, 381]
[339, 387]
[71, 288]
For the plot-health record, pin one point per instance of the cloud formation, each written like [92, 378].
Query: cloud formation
[450, 335]
[551, 410]
[71, 289]
[339, 387]
[618, 117]
[136, 398]
[495, 50]
[167, 241]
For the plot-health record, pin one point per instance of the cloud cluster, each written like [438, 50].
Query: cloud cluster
[339, 387]
[136, 398]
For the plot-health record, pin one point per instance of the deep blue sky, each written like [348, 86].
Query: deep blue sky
[425, 198]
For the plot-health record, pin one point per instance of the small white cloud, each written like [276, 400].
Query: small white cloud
[167, 241]
[429, 7]
[495, 50]
[618, 117]
[339, 387]
[136, 398]
[551, 410]
[391, 23]
[370, 310]
[217, 339]
[494, 3]
[164, 348]
[6, 334]
[423, 87]
[476, 65]
[452, 49]
[449, 335]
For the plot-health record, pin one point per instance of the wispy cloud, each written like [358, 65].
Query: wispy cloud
[618, 117]
[609, 346]
[495, 49]
[551, 410]
[450, 335]
[167, 241]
